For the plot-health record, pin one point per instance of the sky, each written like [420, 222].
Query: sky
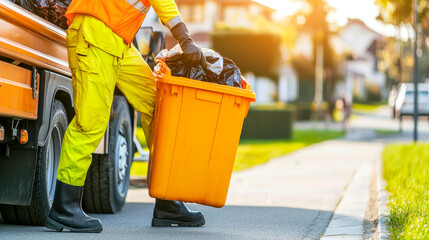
[365, 10]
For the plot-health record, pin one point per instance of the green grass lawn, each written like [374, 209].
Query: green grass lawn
[254, 152]
[365, 107]
[386, 132]
[406, 170]
[139, 169]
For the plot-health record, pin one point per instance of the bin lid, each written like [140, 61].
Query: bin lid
[163, 74]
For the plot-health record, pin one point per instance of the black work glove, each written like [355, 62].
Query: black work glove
[193, 53]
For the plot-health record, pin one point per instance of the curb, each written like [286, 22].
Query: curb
[383, 201]
[348, 219]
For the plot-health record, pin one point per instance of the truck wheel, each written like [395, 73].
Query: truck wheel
[108, 177]
[46, 175]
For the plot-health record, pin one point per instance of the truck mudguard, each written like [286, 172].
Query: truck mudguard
[53, 86]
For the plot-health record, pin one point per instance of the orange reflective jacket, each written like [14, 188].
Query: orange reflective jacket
[124, 17]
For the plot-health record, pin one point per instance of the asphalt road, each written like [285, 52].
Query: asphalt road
[291, 197]
[230, 222]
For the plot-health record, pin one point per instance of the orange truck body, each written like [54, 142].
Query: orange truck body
[16, 92]
[36, 104]
[33, 74]
[30, 40]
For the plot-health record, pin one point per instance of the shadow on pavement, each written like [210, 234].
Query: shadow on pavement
[229, 222]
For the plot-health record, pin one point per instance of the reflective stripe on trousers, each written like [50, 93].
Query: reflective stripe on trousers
[95, 73]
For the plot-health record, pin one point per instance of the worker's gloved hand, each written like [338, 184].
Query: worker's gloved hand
[193, 53]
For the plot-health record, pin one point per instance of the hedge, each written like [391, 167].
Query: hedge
[268, 124]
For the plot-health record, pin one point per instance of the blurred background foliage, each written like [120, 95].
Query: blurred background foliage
[397, 53]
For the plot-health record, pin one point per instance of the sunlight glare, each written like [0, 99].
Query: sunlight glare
[365, 10]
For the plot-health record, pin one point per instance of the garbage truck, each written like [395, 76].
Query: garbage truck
[36, 106]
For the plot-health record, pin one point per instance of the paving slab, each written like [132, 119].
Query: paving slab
[352, 205]
[346, 237]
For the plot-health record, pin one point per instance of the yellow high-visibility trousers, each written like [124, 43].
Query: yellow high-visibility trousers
[100, 60]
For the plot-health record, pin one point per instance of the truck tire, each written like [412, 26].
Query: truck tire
[46, 175]
[108, 177]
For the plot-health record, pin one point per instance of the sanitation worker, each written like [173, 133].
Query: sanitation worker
[101, 57]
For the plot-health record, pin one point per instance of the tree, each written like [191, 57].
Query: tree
[312, 19]
[396, 60]
[400, 12]
[397, 55]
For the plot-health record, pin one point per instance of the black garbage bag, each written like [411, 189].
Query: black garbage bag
[219, 69]
[51, 10]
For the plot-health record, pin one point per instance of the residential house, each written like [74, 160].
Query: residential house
[201, 16]
[361, 43]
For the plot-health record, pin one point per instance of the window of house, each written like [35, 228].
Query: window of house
[185, 12]
[192, 12]
[198, 12]
[237, 15]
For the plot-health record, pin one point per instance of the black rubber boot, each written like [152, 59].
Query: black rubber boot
[174, 213]
[66, 211]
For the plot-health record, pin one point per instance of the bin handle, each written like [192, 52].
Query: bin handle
[238, 101]
[245, 84]
[162, 67]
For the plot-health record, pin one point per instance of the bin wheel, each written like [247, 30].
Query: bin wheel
[45, 178]
[108, 177]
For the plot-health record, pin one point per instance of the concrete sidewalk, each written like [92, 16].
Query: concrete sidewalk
[291, 197]
[314, 178]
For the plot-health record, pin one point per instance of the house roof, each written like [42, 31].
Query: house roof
[359, 38]
[360, 22]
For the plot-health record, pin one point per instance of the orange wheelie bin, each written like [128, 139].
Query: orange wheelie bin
[195, 135]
